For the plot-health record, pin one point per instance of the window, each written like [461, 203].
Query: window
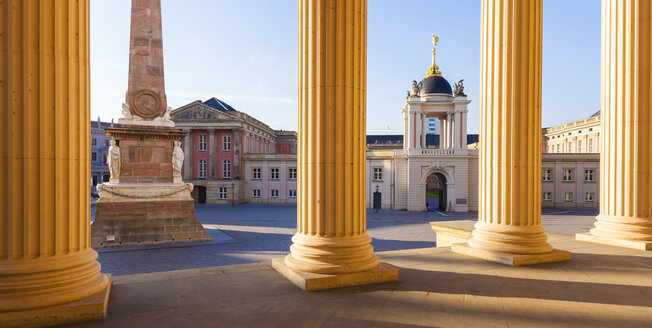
[570, 147]
[293, 174]
[589, 175]
[226, 142]
[589, 197]
[202, 169]
[547, 196]
[106, 142]
[222, 192]
[293, 194]
[590, 145]
[105, 159]
[568, 175]
[378, 173]
[203, 146]
[256, 193]
[274, 174]
[547, 175]
[274, 193]
[226, 169]
[256, 175]
[568, 196]
[579, 146]
[94, 156]
[557, 147]
[94, 142]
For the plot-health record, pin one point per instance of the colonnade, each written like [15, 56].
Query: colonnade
[45, 255]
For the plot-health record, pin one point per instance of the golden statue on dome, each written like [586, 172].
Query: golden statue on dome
[433, 70]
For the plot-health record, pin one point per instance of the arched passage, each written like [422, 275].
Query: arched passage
[436, 192]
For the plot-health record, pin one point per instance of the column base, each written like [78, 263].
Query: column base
[635, 244]
[511, 259]
[317, 281]
[91, 308]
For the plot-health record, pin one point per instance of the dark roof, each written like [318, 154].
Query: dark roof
[435, 84]
[431, 139]
[219, 105]
[595, 114]
[104, 124]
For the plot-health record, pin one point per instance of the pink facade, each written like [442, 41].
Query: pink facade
[198, 155]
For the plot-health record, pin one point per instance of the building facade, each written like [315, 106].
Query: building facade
[577, 137]
[99, 149]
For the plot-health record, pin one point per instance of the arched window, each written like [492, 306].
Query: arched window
[226, 142]
[226, 169]
[202, 168]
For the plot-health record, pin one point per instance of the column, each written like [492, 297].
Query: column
[424, 130]
[237, 149]
[625, 217]
[449, 131]
[442, 132]
[509, 227]
[457, 140]
[213, 165]
[46, 260]
[331, 247]
[187, 150]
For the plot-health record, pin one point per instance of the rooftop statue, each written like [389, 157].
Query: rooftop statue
[458, 89]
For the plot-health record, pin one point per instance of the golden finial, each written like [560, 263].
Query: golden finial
[433, 70]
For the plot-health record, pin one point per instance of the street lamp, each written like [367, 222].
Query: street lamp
[232, 194]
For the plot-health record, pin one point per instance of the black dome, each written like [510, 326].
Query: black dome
[435, 84]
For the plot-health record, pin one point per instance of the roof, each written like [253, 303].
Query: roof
[596, 114]
[104, 124]
[219, 105]
[431, 139]
[434, 85]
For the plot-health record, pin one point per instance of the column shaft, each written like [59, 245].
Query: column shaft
[625, 156]
[45, 253]
[510, 116]
[331, 215]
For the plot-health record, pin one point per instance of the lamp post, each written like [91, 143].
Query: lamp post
[232, 194]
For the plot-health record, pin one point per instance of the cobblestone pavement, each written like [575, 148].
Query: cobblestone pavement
[263, 232]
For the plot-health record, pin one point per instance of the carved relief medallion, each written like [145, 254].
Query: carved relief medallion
[146, 104]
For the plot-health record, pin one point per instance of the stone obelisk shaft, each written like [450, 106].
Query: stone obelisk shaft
[146, 50]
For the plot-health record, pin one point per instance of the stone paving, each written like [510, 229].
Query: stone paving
[602, 286]
[257, 233]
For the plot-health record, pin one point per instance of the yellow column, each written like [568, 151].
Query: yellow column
[625, 217]
[45, 254]
[331, 239]
[509, 219]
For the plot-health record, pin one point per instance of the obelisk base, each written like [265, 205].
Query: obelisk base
[645, 245]
[317, 281]
[91, 308]
[511, 259]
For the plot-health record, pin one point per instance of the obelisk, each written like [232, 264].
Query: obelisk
[145, 200]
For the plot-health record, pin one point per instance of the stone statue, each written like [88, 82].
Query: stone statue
[458, 89]
[416, 90]
[126, 114]
[113, 159]
[177, 160]
[408, 94]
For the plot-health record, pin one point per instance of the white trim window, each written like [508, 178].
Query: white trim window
[580, 148]
[203, 144]
[568, 196]
[590, 197]
[202, 168]
[568, 175]
[293, 194]
[292, 173]
[546, 175]
[256, 193]
[274, 174]
[589, 175]
[222, 193]
[226, 169]
[570, 147]
[378, 173]
[274, 193]
[547, 196]
[256, 173]
[591, 145]
[93, 156]
[226, 142]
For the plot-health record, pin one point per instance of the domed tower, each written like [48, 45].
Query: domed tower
[433, 97]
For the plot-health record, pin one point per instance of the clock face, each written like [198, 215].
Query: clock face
[146, 104]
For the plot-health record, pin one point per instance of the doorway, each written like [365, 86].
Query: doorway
[436, 192]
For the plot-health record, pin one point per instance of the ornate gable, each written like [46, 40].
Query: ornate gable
[200, 112]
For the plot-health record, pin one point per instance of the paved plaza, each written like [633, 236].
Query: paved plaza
[252, 233]
[602, 286]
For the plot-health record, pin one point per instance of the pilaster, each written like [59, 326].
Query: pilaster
[213, 165]
[509, 217]
[625, 217]
[236, 148]
[331, 247]
[46, 261]
[187, 150]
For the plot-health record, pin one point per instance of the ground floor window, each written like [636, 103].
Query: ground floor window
[256, 193]
[222, 192]
[547, 196]
[274, 193]
[589, 197]
[293, 194]
[568, 196]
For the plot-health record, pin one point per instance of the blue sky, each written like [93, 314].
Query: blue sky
[245, 53]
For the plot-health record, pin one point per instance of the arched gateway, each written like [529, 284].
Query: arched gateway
[436, 192]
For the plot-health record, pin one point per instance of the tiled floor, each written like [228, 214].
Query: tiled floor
[601, 287]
